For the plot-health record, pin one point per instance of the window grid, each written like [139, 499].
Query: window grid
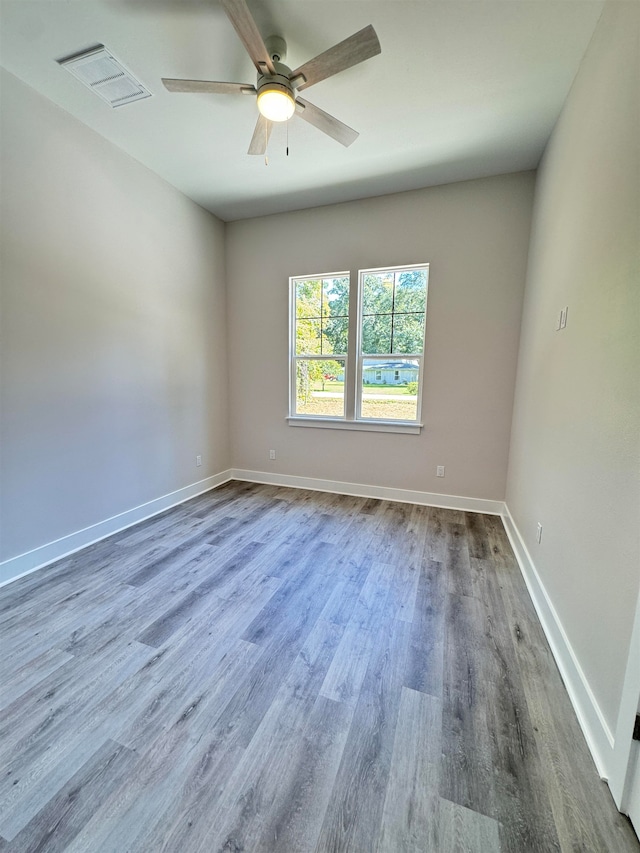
[322, 316]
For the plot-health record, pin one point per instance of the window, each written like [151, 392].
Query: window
[368, 376]
[393, 307]
[320, 335]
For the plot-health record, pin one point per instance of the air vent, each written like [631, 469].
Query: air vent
[101, 72]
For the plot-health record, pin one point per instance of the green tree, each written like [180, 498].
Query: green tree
[322, 312]
[321, 328]
[393, 312]
[411, 291]
[335, 321]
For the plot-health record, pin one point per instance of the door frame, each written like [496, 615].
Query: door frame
[620, 778]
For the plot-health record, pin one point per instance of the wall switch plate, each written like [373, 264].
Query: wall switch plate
[272, 454]
[562, 319]
[198, 461]
[539, 533]
[440, 471]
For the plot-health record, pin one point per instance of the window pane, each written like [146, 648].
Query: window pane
[408, 333]
[376, 334]
[377, 294]
[335, 334]
[308, 337]
[308, 298]
[320, 387]
[411, 291]
[336, 297]
[390, 389]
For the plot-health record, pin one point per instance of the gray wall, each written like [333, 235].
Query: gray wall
[475, 236]
[113, 329]
[575, 447]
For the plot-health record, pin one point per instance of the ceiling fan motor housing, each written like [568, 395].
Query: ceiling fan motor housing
[279, 80]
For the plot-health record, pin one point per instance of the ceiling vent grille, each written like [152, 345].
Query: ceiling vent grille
[101, 72]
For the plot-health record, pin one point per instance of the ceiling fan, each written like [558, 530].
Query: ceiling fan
[277, 85]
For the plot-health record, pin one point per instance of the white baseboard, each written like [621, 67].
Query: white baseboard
[598, 735]
[23, 564]
[364, 491]
[28, 562]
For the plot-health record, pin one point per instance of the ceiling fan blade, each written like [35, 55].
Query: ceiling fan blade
[353, 50]
[243, 23]
[328, 124]
[260, 136]
[210, 86]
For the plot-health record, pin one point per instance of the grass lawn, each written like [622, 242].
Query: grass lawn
[384, 409]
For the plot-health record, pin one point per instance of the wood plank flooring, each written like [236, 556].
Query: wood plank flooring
[268, 669]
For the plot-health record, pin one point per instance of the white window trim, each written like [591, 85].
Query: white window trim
[365, 425]
[352, 392]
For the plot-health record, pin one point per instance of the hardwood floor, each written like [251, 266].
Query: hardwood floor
[268, 669]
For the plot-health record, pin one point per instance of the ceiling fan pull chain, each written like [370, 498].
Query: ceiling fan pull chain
[266, 143]
[287, 139]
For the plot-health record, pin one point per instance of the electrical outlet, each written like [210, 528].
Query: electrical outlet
[272, 454]
[539, 533]
[440, 471]
[198, 461]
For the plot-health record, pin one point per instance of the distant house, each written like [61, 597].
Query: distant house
[390, 373]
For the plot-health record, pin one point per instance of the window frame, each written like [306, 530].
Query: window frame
[294, 357]
[354, 357]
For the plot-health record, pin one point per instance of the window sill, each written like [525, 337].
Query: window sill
[364, 426]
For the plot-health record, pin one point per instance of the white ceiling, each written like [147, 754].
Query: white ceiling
[461, 90]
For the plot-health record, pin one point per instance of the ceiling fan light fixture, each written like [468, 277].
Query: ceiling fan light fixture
[277, 85]
[275, 102]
